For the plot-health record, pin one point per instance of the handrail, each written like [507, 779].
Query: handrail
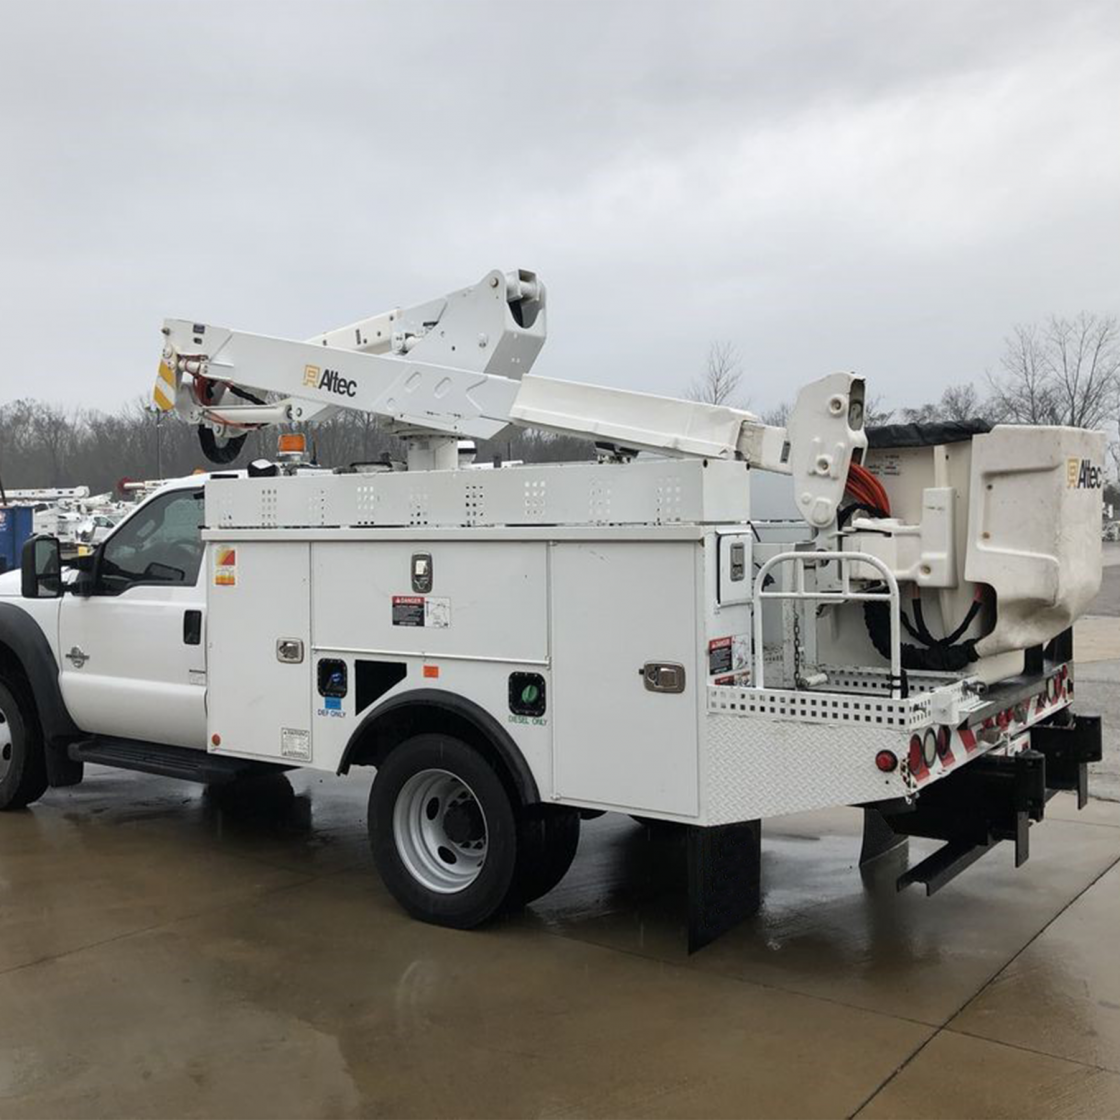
[845, 595]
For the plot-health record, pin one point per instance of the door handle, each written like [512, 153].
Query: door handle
[663, 676]
[192, 628]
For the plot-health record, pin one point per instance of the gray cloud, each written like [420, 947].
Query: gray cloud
[879, 186]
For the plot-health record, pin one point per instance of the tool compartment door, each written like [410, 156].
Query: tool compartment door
[260, 594]
[617, 607]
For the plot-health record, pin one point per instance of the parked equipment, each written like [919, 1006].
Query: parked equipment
[16, 526]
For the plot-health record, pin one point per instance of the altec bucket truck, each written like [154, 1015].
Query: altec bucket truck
[512, 648]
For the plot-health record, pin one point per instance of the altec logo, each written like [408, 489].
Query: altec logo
[329, 379]
[1081, 474]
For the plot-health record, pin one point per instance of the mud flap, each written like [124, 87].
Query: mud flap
[879, 839]
[724, 879]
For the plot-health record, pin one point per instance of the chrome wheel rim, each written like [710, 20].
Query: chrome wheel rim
[440, 831]
[7, 745]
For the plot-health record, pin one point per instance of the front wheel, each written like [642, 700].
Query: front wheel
[23, 766]
[443, 831]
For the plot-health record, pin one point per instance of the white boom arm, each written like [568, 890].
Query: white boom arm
[457, 366]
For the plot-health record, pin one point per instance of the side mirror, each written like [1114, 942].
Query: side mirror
[41, 568]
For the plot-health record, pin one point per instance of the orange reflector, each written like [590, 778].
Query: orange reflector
[431, 670]
[293, 443]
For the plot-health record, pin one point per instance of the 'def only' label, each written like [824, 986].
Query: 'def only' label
[422, 610]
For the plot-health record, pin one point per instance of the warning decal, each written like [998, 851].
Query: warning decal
[729, 659]
[422, 610]
[295, 743]
[225, 567]
[408, 610]
[719, 656]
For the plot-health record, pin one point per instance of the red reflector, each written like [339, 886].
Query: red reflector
[431, 670]
[216, 740]
[917, 763]
[886, 761]
[943, 739]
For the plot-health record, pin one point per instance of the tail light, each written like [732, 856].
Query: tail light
[943, 737]
[887, 761]
[916, 757]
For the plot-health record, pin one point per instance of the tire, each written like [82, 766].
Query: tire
[23, 765]
[549, 838]
[443, 831]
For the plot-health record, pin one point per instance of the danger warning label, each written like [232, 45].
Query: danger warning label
[408, 610]
[719, 656]
[730, 655]
[422, 610]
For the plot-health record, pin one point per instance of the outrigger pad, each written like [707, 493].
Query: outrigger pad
[724, 879]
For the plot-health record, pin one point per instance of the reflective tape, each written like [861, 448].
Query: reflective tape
[163, 394]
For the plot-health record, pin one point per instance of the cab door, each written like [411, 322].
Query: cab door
[132, 653]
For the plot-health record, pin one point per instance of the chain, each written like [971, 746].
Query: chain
[796, 644]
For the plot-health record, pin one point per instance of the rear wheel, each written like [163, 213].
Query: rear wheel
[444, 831]
[23, 766]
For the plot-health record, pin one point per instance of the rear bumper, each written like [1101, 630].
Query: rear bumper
[774, 751]
[996, 797]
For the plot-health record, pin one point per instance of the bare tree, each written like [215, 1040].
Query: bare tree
[875, 412]
[778, 416]
[52, 431]
[961, 402]
[719, 383]
[1063, 371]
[957, 402]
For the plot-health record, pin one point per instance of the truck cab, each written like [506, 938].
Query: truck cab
[129, 636]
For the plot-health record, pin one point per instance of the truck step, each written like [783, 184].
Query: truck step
[171, 762]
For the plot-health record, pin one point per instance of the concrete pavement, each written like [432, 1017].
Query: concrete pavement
[167, 952]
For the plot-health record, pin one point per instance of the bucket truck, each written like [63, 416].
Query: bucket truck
[512, 649]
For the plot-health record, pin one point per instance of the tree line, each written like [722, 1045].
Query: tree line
[43, 445]
[1058, 371]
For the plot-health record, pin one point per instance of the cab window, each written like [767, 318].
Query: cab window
[161, 543]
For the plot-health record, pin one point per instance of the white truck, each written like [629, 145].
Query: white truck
[514, 648]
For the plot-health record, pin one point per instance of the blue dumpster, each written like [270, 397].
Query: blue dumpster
[16, 525]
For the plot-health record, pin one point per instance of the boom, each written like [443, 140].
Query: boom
[459, 366]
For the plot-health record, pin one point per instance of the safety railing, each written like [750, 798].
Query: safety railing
[844, 595]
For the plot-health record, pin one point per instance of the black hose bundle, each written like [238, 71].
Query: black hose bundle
[941, 655]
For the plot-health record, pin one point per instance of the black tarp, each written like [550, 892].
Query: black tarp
[926, 435]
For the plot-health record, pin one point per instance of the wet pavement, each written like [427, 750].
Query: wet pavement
[1096, 645]
[167, 952]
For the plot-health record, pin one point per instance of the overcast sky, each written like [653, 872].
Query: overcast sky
[878, 186]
